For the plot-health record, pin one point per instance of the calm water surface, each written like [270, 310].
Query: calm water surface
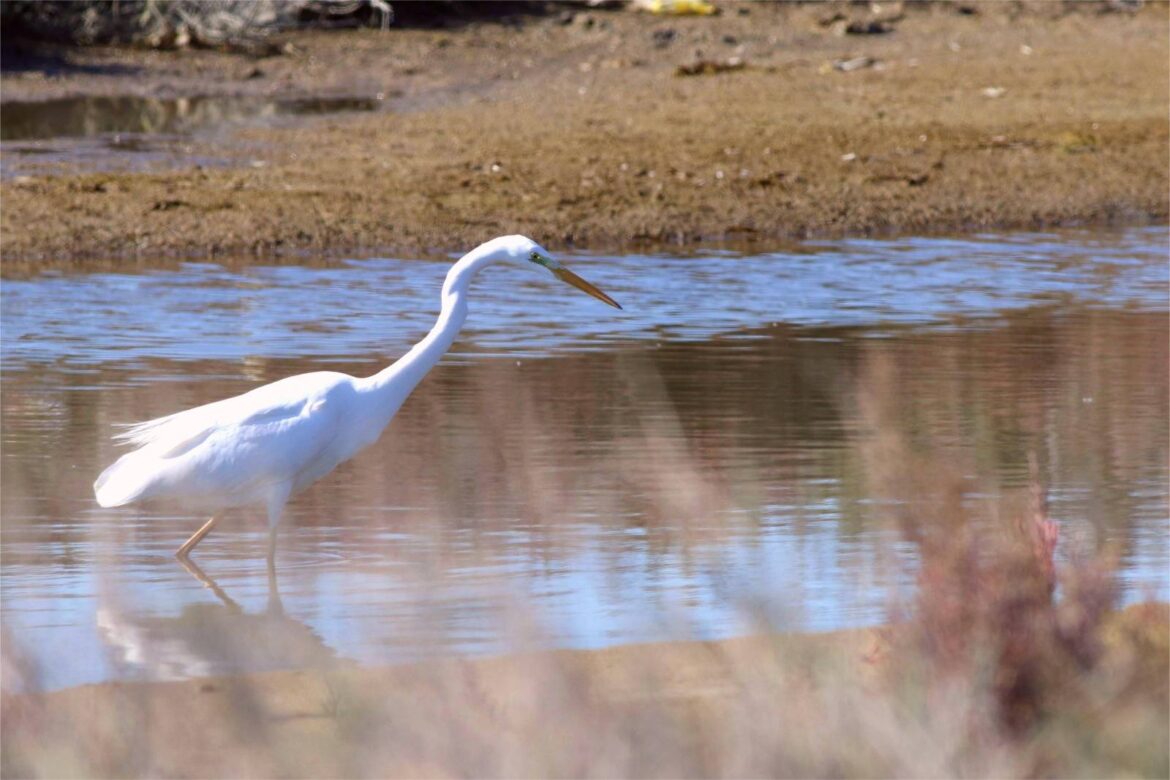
[728, 453]
[127, 132]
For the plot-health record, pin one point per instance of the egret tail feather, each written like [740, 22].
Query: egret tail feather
[122, 483]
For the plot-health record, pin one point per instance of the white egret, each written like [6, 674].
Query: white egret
[270, 443]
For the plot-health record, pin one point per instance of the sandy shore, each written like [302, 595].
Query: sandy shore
[576, 128]
[841, 704]
[525, 714]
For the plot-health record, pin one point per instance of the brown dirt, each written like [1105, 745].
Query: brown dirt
[579, 133]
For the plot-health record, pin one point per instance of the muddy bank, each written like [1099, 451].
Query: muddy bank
[577, 129]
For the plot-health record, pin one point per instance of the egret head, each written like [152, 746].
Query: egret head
[527, 250]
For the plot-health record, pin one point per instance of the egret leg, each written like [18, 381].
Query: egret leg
[196, 537]
[207, 582]
[275, 607]
[276, 502]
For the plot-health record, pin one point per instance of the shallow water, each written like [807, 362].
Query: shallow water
[128, 132]
[713, 459]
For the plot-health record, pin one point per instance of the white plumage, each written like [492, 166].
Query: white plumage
[237, 451]
[270, 443]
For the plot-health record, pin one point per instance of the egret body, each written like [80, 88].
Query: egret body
[270, 443]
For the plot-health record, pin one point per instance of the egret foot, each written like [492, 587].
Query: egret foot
[196, 538]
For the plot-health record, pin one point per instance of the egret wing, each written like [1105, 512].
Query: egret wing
[274, 401]
[224, 449]
[239, 461]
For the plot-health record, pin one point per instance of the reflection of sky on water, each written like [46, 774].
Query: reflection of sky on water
[370, 590]
[608, 592]
[204, 311]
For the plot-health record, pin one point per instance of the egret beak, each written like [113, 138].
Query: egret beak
[565, 275]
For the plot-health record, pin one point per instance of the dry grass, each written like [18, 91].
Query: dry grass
[1003, 683]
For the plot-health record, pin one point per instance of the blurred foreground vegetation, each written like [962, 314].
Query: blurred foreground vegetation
[988, 675]
[1008, 661]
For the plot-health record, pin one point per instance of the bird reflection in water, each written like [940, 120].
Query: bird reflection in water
[211, 638]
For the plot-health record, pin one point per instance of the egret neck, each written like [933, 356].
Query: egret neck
[391, 386]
